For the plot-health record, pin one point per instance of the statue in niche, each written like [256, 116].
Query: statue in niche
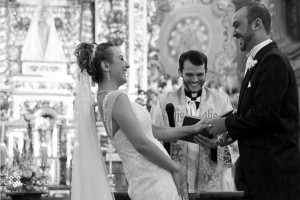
[44, 125]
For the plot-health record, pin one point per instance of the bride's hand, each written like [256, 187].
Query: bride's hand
[178, 179]
[202, 124]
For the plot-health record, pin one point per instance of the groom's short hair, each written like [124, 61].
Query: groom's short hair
[256, 9]
[195, 57]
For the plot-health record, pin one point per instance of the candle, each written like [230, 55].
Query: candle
[3, 154]
[44, 154]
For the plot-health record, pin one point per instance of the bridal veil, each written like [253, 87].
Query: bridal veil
[89, 174]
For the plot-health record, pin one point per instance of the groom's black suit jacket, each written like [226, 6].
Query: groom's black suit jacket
[266, 126]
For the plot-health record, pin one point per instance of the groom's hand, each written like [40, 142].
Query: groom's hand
[217, 126]
[224, 140]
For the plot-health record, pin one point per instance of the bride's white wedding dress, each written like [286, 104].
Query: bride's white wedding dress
[146, 180]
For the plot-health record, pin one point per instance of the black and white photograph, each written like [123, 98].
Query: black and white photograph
[149, 99]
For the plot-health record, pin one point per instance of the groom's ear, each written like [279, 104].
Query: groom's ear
[257, 24]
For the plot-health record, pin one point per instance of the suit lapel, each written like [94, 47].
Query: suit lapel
[250, 72]
[244, 86]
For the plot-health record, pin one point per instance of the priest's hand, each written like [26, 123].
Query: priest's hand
[206, 142]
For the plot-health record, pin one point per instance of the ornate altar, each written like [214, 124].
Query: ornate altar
[37, 84]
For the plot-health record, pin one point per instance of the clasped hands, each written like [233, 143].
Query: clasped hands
[217, 129]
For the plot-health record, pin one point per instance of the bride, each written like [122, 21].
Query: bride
[150, 171]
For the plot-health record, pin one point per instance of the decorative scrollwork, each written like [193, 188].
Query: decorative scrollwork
[30, 106]
[188, 33]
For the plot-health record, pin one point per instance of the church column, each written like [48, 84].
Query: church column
[138, 46]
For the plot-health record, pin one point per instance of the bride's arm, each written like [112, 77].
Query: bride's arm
[172, 134]
[175, 133]
[125, 118]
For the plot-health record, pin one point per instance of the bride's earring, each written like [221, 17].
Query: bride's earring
[107, 75]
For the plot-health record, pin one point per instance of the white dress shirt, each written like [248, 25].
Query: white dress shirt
[250, 56]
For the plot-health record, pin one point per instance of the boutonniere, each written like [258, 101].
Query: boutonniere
[251, 63]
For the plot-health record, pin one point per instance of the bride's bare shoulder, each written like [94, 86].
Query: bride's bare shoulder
[113, 99]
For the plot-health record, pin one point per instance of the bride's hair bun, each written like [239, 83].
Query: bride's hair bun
[89, 57]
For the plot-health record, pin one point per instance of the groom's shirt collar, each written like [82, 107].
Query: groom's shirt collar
[258, 47]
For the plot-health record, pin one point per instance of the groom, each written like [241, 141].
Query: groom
[199, 162]
[266, 124]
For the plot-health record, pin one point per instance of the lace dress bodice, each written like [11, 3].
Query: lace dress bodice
[146, 180]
